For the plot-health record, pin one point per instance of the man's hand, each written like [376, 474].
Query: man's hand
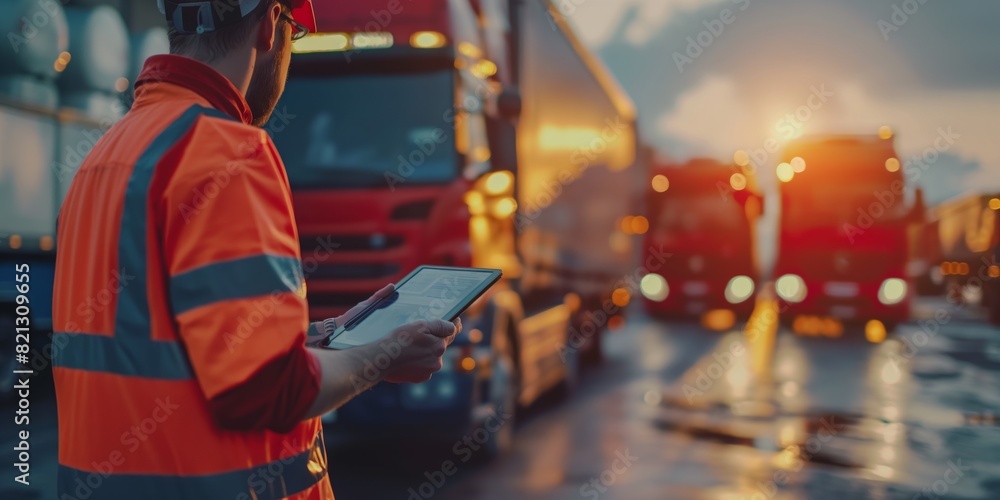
[379, 295]
[345, 373]
[321, 330]
[421, 345]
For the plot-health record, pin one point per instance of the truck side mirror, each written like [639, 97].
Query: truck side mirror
[509, 104]
[918, 214]
[502, 136]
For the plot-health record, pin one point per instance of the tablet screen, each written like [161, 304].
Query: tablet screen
[430, 293]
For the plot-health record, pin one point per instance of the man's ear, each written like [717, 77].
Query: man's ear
[269, 28]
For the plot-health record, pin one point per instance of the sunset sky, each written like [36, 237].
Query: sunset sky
[933, 72]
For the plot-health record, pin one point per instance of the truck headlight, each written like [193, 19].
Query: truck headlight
[654, 287]
[739, 289]
[892, 291]
[791, 287]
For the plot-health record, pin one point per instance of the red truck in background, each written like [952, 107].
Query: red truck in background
[703, 214]
[843, 234]
[968, 229]
[924, 269]
[450, 132]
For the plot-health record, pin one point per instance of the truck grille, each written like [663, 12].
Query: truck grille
[354, 271]
[348, 243]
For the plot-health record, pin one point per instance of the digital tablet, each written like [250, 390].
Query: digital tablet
[428, 292]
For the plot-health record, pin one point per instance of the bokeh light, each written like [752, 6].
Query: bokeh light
[798, 164]
[785, 172]
[661, 184]
[885, 132]
[738, 181]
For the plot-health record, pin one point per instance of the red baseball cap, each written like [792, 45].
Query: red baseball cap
[302, 12]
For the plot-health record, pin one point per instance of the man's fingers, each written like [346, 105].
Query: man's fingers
[439, 347]
[441, 328]
[381, 294]
[350, 314]
[385, 291]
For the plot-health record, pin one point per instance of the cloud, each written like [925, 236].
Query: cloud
[710, 119]
[599, 20]
[939, 69]
[714, 119]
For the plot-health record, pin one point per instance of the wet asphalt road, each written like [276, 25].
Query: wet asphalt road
[756, 412]
[748, 413]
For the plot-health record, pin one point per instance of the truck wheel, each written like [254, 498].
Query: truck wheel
[7, 361]
[504, 384]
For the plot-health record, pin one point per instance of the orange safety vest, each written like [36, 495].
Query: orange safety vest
[178, 275]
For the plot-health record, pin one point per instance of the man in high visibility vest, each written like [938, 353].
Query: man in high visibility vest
[181, 364]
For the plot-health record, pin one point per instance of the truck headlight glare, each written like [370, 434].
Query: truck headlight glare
[654, 287]
[791, 287]
[892, 291]
[739, 289]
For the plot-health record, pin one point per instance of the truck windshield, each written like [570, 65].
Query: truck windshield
[836, 205]
[361, 130]
[707, 213]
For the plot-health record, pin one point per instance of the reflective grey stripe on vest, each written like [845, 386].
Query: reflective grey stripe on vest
[132, 351]
[271, 481]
